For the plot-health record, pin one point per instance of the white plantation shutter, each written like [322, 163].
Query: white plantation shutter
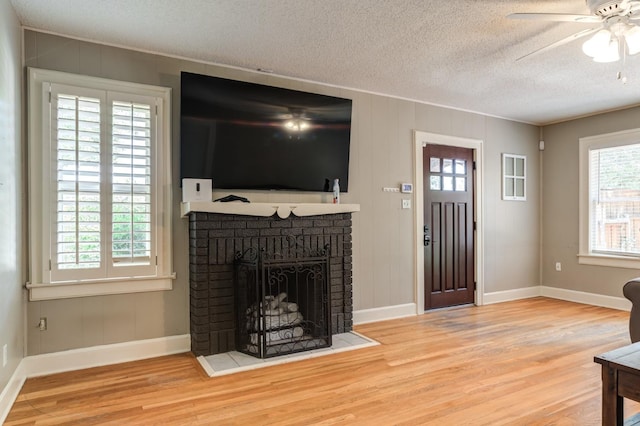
[78, 182]
[131, 225]
[76, 210]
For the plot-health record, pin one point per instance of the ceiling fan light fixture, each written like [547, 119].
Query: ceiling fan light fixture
[597, 45]
[610, 54]
[616, 37]
[632, 38]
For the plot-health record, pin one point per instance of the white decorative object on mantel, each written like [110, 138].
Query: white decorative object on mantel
[267, 209]
[196, 190]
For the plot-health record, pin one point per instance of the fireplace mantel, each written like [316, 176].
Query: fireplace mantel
[267, 209]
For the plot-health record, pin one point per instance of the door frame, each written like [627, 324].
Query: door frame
[421, 139]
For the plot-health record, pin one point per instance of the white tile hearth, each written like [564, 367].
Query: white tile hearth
[235, 362]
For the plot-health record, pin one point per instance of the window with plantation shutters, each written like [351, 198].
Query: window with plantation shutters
[101, 218]
[610, 199]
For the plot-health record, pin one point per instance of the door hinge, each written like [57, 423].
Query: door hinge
[475, 225]
[49, 264]
[156, 260]
[474, 165]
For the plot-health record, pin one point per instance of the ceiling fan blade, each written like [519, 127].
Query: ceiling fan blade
[566, 40]
[556, 17]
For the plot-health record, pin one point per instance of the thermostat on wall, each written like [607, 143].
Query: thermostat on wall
[406, 188]
[196, 190]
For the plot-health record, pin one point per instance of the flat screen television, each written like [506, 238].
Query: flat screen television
[250, 136]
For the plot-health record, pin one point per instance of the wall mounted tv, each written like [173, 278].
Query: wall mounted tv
[250, 136]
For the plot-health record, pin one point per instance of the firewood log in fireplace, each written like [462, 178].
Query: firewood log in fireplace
[275, 301]
[255, 313]
[278, 336]
[288, 306]
[272, 305]
[277, 321]
[277, 313]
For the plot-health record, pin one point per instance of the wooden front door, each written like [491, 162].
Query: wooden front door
[448, 175]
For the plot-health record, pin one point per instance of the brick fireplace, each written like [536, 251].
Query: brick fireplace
[214, 240]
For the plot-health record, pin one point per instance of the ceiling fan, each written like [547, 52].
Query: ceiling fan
[615, 36]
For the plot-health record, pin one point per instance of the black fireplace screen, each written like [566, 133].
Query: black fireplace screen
[282, 300]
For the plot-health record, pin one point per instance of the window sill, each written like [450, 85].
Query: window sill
[73, 289]
[611, 261]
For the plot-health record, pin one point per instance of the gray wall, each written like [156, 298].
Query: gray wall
[12, 306]
[512, 228]
[381, 156]
[560, 211]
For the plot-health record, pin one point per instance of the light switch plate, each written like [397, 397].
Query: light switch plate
[406, 204]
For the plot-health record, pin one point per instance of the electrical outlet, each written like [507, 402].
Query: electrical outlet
[406, 204]
[4, 355]
[42, 325]
[558, 266]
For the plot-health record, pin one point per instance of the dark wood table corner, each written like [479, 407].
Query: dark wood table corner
[620, 379]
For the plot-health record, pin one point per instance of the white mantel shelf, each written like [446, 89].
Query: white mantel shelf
[267, 209]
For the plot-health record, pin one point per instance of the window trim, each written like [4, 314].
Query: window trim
[514, 177]
[40, 286]
[585, 256]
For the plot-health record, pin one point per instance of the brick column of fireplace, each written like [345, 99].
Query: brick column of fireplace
[215, 238]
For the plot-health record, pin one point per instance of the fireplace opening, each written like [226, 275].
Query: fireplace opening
[282, 300]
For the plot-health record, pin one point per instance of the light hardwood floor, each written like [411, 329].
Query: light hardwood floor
[526, 362]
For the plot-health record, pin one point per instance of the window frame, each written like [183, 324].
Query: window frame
[41, 187]
[586, 144]
[506, 196]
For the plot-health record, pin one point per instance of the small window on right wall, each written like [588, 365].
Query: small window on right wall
[514, 175]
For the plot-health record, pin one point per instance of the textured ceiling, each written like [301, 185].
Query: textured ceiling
[455, 53]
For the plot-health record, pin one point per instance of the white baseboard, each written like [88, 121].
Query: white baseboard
[587, 298]
[399, 311]
[11, 391]
[558, 293]
[96, 356]
[364, 316]
[508, 295]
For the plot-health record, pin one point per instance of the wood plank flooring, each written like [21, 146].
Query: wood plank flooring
[527, 362]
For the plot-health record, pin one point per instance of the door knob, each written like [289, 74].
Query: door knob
[427, 236]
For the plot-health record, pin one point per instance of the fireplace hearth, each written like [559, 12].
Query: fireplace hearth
[282, 300]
